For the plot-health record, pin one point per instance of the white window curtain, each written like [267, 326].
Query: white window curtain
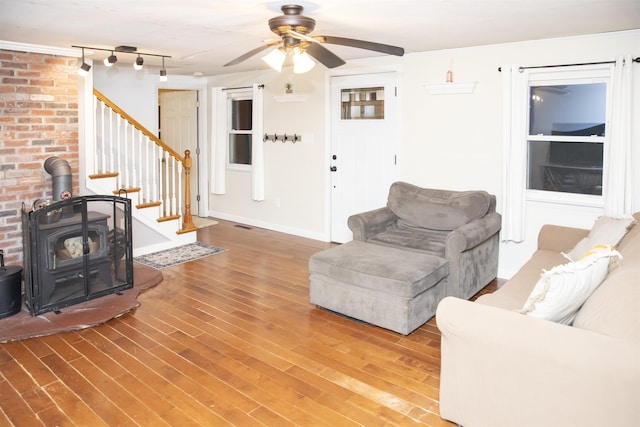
[257, 145]
[219, 139]
[617, 180]
[514, 151]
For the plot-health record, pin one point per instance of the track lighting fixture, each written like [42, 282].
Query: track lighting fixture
[163, 72]
[112, 59]
[84, 68]
[138, 63]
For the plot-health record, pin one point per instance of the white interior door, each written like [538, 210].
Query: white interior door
[363, 146]
[179, 129]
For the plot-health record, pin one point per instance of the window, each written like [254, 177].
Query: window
[567, 116]
[240, 129]
[363, 103]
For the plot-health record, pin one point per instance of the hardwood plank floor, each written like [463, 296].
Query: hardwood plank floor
[230, 339]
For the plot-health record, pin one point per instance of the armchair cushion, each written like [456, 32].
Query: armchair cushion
[436, 209]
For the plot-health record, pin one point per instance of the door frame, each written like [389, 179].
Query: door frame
[351, 71]
[199, 85]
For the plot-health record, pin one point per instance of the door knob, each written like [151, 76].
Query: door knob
[333, 168]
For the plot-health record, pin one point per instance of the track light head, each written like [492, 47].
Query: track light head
[84, 69]
[139, 62]
[110, 60]
[163, 75]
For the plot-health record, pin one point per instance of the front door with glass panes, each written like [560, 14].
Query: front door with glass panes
[364, 140]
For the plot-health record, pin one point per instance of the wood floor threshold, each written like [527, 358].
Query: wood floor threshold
[230, 339]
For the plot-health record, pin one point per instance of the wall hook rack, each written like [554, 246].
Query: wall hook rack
[284, 137]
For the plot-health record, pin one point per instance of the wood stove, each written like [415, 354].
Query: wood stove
[76, 250]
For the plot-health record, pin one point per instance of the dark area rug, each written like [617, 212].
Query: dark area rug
[79, 316]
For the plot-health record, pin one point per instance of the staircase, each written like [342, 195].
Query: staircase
[128, 160]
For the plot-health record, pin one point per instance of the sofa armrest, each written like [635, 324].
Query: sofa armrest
[500, 367]
[366, 224]
[473, 233]
[557, 238]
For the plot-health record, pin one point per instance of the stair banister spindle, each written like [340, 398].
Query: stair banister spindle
[96, 106]
[135, 151]
[103, 166]
[179, 189]
[118, 151]
[163, 185]
[154, 172]
[172, 193]
[111, 144]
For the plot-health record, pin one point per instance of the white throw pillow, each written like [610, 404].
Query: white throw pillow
[605, 231]
[561, 291]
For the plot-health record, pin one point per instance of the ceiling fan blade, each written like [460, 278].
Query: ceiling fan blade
[324, 55]
[361, 44]
[249, 54]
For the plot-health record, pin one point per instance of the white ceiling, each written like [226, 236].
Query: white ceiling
[203, 35]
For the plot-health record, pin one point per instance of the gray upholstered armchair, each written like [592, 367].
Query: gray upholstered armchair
[461, 226]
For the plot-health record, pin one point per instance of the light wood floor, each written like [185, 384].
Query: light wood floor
[230, 339]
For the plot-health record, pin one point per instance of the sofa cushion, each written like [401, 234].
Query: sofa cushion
[513, 294]
[436, 209]
[605, 231]
[613, 308]
[417, 239]
[561, 291]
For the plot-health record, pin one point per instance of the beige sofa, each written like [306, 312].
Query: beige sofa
[503, 368]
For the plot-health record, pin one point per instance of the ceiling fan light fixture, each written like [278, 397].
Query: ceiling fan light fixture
[275, 59]
[138, 64]
[110, 60]
[302, 62]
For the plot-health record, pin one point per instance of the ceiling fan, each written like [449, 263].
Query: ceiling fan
[293, 30]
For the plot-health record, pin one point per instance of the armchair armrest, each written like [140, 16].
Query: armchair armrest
[557, 238]
[472, 234]
[366, 224]
[531, 371]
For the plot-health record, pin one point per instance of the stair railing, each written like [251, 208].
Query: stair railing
[141, 163]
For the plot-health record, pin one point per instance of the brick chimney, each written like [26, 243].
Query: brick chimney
[38, 119]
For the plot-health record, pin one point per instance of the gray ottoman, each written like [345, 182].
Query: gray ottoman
[388, 287]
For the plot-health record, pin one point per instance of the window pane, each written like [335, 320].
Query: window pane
[241, 118]
[362, 103]
[567, 110]
[570, 167]
[240, 149]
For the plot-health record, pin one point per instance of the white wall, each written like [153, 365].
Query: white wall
[447, 141]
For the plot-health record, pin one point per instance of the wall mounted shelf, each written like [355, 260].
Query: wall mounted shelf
[290, 97]
[450, 88]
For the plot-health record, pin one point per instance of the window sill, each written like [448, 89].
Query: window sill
[238, 168]
[560, 198]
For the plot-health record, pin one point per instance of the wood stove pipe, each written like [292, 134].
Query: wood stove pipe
[61, 173]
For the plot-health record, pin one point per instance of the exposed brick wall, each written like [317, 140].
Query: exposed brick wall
[38, 119]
